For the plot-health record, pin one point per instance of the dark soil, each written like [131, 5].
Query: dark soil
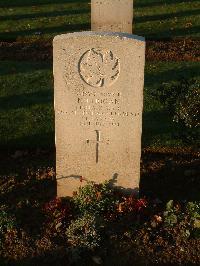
[36, 51]
[154, 246]
[170, 174]
[176, 50]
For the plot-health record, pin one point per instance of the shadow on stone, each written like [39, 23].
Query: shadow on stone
[70, 176]
[113, 182]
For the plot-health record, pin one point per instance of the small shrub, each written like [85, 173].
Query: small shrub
[170, 214]
[168, 94]
[183, 103]
[193, 210]
[82, 233]
[186, 217]
[187, 107]
[95, 199]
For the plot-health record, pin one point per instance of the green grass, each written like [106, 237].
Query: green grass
[154, 19]
[26, 104]
[160, 19]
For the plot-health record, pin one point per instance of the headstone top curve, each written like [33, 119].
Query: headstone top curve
[101, 34]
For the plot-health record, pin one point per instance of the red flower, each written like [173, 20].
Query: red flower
[131, 204]
[140, 204]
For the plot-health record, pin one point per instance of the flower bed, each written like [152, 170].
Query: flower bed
[100, 226]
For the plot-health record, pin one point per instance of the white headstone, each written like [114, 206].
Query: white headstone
[112, 15]
[98, 109]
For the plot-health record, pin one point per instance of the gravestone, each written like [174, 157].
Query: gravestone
[98, 109]
[112, 15]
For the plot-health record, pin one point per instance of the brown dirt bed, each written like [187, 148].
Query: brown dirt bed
[176, 50]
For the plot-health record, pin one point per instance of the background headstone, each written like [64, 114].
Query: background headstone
[112, 15]
[98, 109]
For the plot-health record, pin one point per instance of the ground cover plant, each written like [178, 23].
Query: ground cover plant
[86, 230]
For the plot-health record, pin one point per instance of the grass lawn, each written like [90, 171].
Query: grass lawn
[26, 104]
[154, 19]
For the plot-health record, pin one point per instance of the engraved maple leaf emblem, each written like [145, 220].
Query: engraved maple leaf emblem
[99, 68]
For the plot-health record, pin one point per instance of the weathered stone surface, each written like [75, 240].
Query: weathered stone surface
[98, 109]
[112, 15]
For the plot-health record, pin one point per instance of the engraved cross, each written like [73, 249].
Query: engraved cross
[97, 142]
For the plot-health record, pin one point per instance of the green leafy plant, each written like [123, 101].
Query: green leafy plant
[182, 100]
[95, 199]
[82, 232]
[187, 107]
[193, 210]
[168, 94]
[7, 222]
[170, 215]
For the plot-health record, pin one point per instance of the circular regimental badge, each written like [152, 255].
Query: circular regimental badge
[99, 68]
